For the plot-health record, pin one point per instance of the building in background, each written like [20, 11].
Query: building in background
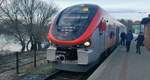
[146, 23]
[137, 27]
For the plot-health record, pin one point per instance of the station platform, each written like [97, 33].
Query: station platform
[121, 65]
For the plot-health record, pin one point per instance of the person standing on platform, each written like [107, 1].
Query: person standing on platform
[139, 41]
[129, 38]
[123, 37]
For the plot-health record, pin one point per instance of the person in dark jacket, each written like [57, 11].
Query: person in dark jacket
[139, 41]
[123, 37]
[129, 38]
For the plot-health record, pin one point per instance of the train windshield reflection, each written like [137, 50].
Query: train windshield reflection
[72, 22]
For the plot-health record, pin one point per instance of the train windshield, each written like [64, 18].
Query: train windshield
[72, 22]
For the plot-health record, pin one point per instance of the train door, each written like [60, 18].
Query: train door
[104, 29]
[102, 39]
[102, 34]
[117, 34]
[105, 41]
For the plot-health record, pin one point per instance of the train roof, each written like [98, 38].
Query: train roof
[89, 5]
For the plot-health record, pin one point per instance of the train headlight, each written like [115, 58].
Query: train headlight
[87, 44]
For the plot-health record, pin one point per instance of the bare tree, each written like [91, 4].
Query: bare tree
[35, 14]
[10, 17]
[27, 18]
[45, 12]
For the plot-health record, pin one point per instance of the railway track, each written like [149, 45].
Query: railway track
[65, 75]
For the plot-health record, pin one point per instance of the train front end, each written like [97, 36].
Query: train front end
[71, 33]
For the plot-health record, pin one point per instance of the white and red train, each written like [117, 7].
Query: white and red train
[81, 33]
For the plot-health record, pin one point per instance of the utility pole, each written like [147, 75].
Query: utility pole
[17, 62]
[34, 58]
[34, 52]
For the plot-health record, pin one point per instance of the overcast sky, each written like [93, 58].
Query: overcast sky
[128, 9]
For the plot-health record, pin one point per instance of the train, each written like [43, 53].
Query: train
[80, 34]
[146, 23]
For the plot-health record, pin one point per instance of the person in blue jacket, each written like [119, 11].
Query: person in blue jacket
[123, 37]
[139, 41]
[129, 38]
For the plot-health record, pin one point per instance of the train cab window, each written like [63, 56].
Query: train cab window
[72, 22]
